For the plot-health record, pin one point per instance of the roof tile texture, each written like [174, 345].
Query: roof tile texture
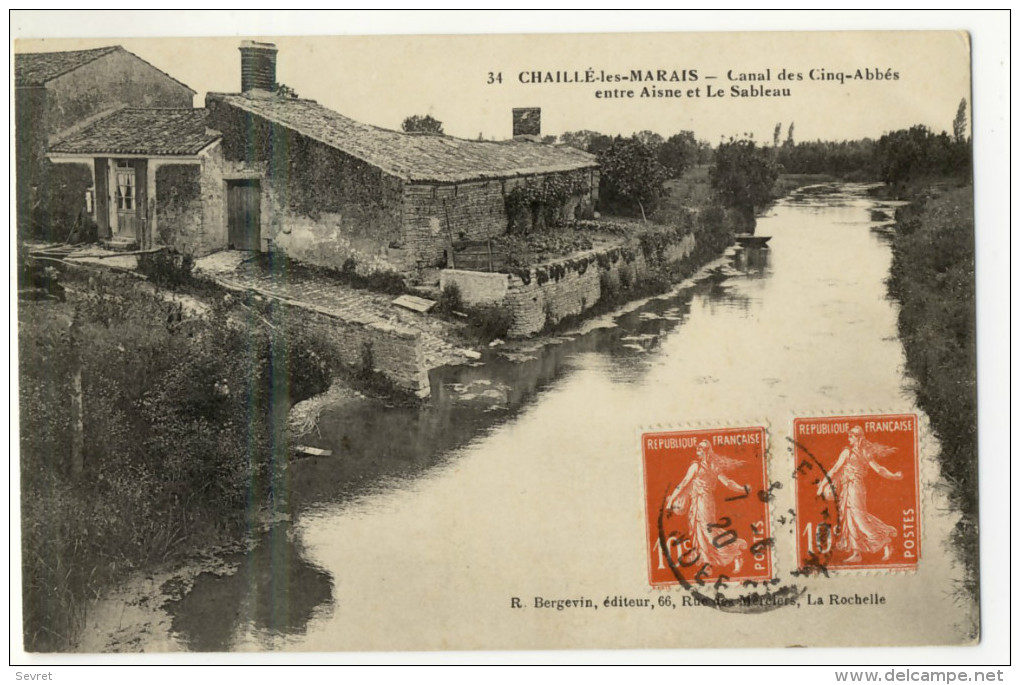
[153, 132]
[412, 157]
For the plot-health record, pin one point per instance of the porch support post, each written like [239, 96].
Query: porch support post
[150, 210]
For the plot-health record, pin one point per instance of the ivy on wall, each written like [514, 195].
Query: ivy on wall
[62, 200]
[308, 177]
[178, 192]
[539, 201]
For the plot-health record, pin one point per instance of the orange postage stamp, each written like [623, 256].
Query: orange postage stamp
[707, 497]
[857, 492]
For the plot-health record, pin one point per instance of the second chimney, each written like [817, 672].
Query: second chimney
[258, 66]
[527, 121]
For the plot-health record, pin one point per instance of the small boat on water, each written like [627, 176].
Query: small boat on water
[751, 240]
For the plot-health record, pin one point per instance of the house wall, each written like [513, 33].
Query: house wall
[179, 207]
[118, 78]
[435, 215]
[30, 148]
[319, 205]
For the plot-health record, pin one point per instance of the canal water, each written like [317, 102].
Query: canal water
[522, 477]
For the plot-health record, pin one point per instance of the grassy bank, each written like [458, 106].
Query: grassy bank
[181, 433]
[932, 276]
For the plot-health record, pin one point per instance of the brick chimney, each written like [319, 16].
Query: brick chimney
[527, 121]
[258, 66]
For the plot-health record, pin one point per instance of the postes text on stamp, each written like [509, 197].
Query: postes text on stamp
[706, 497]
[858, 501]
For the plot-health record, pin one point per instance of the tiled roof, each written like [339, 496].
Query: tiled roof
[154, 132]
[412, 157]
[36, 68]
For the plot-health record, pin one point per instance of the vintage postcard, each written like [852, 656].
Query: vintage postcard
[495, 342]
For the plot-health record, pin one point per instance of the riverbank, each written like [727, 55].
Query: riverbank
[933, 277]
[151, 428]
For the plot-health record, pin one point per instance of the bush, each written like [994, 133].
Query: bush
[180, 449]
[491, 321]
[383, 281]
[450, 299]
[167, 268]
[632, 179]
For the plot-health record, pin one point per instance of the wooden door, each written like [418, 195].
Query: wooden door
[244, 230]
[125, 188]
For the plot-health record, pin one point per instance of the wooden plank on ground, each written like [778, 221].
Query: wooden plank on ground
[418, 304]
[313, 451]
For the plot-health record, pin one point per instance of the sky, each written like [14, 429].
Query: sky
[383, 79]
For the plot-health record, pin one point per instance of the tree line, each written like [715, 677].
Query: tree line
[634, 169]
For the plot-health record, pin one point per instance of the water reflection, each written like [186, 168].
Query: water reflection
[753, 262]
[274, 593]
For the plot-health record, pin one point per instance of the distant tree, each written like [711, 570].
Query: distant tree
[743, 176]
[649, 138]
[776, 133]
[960, 122]
[631, 176]
[548, 140]
[917, 152]
[789, 135]
[589, 141]
[904, 154]
[705, 152]
[602, 142]
[577, 139]
[284, 91]
[845, 158]
[679, 153]
[422, 124]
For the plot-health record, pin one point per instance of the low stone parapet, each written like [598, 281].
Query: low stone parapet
[477, 288]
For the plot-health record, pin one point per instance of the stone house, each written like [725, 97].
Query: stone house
[257, 170]
[326, 189]
[54, 94]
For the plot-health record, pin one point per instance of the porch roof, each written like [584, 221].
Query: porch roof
[138, 131]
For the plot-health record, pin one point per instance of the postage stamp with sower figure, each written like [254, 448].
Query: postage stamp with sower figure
[857, 492]
[707, 498]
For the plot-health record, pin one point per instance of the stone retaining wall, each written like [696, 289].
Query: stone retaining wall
[574, 284]
[393, 350]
